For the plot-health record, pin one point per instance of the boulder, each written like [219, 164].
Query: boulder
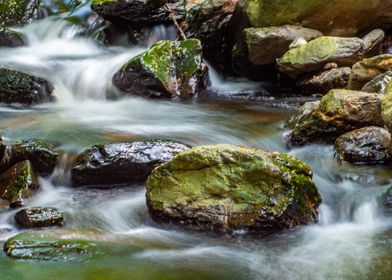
[312, 56]
[339, 111]
[39, 217]
[369, 68]
[261, 46]
[36, 246]
[386, 108]
[40, 154]
[168, 69]
[17, 12]
[365, 145]
[386, 199]
[138, 13]
[379, 83]
[18, 183]
[10, 39]
[325, 81]
[23, 89]
[338, 17]
[122, 163]
[226, 188]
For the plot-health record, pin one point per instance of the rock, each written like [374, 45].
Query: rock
[18, 183]
[20, 88]
[138, 13]
[338, 17]
[386, 199]
[227, 188]
[17, 12]
[168, 69]
[365, 145]
[36, 246]
[263, 46]
[39, 217]
[40, 154]
[339, 111]
[323, 82]
[373, 40]
[316, 53]
[386, 45]
[379, 83]
[9, 38]
[386, 108]
[122, 163]
[304, 112]
[367, 69]
[297, 43]
[208, 21]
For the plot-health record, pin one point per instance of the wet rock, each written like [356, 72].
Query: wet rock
[17, 12]
[20, 88]
[261, 46]
[122, 163]
[379, 83]
[138, 12]
[338, 18]
[367, 69]
[365, 145]
[339, 111]
[304, 112]
[208, 21]
[168, 69]
[9, 38]
[316, 53]
[386, 45]
[322, 83]
[40, 154]
[386, 199]
[386, 108]
[39, 217]
[18, 183]
[35, 246]
[227, 188]
[373, 41]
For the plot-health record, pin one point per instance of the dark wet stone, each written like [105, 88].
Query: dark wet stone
[39, 217]
[10, 38]
[122, 163]
[365, 145]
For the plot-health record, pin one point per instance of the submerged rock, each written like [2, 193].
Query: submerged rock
[379, 83]
[168, 69]
[39, 217]
[365, 145]
[122, 163]
[20, 88]
[227, 188]
[366, 70]
[35, 246]
[40, 154]
[18, 183]
[339, 111]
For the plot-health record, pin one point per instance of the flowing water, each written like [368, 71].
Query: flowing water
[352, 239]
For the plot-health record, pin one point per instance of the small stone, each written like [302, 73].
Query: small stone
[39, 217]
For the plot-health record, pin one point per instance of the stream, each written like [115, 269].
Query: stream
[352, 239]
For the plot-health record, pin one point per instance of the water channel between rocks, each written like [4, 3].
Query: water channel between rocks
[351, 241]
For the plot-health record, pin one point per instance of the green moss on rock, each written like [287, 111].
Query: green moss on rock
[16, 12]
[224, 187]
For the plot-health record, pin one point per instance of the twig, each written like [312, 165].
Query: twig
[173, 17]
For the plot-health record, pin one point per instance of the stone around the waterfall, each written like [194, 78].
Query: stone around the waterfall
[168, 69]
[39, 217]
[322, 83]
[138, 12]
[365, 145]
[386, 108]
[17, 12]
[122, 163]
[340, 111]
[226, 188]
[9, 38]
[20, 88]
[312, 56]
[386, 199]
[367, 69]
[379, 83]
[18, 183]
[36, 246]
[40, 154]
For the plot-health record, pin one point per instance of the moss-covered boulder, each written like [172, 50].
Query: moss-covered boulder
[10, 39]
[365, 145]
[168, 69]
[366, 70]
[36, 246]
[339, 111]
[227, 188]
[23, 89]
[337, 17]
[17, 12]
[312, 56]
[138, 12]
[18, 183]
[39, 217]
[122, 163]
[41, 155]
